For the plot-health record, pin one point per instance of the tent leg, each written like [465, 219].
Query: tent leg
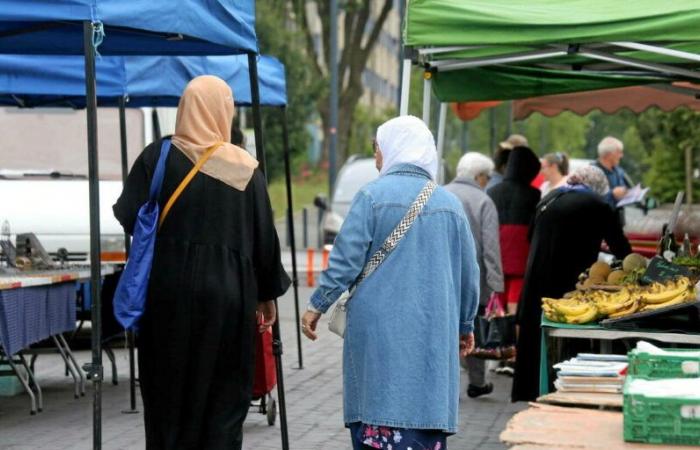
[426, 99]
[257, 117]
[156, 125]
[94, 368]
[292, 237]
[276, 336]
[127, 248]
[441, 142]
[405, 87]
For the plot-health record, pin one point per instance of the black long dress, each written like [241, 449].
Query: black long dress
[566, 238]
[217, 255]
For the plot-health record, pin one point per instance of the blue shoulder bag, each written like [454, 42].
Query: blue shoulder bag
[130, 296]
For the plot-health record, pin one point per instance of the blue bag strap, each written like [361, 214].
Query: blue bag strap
[157, 181]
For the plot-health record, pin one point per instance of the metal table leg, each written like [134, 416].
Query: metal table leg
[30, 374]
[78, 370]
[21, 379]
[69, 366]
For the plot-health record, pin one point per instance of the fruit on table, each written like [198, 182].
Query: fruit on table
[599, 271]
[581, 307]
[633, 261]
[662, 293]
[616, 276]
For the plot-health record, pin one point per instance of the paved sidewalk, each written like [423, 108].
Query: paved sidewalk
[314, 405]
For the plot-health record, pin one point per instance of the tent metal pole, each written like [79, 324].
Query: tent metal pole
[455, 48]
[659, 50]
[632, 62]
[127, 249]
[535, 55]
[441, 142]
[156, 125]
[427, 79]
[405, 87]
[257, 117]
[94, 369]
[292, 236]
[276, 335]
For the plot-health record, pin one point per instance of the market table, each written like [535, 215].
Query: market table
[597, 399]
[595, 331]
[35, 306]
[543, 427]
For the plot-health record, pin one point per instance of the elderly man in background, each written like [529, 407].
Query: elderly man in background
[473, 172]
[610, 152]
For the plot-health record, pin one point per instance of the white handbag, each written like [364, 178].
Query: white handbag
[338, 318]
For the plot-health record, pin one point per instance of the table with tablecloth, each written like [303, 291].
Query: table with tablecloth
[35, 307]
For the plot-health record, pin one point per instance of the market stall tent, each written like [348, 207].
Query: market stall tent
[489, 50]
[114, 27]
[143, 81]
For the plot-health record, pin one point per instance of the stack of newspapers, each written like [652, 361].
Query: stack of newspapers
[591, 373]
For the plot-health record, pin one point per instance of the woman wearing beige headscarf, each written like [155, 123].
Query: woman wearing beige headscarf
[216, 261]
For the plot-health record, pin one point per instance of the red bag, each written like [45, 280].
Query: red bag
[265, 377]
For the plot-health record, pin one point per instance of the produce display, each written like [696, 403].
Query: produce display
[608, 292]
[602, 274]
[582, 307]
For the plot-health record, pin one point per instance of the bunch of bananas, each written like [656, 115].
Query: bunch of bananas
[661, 295]
[575, 309]
[587, 306]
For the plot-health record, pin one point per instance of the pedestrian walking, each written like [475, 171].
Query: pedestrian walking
[473, 172]
[407, 320]
[216, 263]
[515, 201]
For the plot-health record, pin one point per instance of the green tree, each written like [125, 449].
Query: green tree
[667, 136]
[277, 37]
[360, 32]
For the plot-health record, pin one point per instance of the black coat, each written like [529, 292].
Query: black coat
[514, 198]
[568, 231]
[216, 256]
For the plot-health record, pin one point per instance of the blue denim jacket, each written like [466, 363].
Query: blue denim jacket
[401, 351]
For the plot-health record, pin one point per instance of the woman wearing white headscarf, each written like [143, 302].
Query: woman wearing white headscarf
[402, 342]
[570, 224]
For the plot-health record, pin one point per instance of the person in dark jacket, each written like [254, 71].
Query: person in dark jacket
[569, 226]
[216, 265]
[515, 202]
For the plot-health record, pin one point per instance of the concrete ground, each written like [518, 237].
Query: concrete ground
[313, 396]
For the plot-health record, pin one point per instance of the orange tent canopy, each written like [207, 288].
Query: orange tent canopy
[610, 101]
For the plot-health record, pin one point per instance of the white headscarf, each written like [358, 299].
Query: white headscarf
[406, 140]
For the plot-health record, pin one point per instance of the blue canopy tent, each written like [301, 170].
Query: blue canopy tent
[138, 27]
[131, 81]
[39, 81]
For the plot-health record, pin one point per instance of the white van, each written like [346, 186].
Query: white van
[43, 174]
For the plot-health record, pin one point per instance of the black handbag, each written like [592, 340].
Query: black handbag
[494, 332]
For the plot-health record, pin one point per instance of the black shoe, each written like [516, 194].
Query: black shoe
[478, 391]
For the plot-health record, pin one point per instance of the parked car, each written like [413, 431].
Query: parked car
[355, 173]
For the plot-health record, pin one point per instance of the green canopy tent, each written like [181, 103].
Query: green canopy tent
[511, 49]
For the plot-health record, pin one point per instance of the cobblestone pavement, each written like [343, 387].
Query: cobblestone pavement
[313, 397]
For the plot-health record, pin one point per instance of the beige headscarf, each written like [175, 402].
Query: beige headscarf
[204, 118]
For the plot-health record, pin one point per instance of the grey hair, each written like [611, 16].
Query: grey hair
[473, 164]
[608, 145]
[592, 177]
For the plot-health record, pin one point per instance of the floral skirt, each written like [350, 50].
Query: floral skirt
[389, 438]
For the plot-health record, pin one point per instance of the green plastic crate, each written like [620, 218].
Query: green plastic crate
[657, 367]
[661, 420]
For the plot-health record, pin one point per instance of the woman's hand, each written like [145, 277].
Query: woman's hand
[466, 344]
[308, 324]
[268, 311]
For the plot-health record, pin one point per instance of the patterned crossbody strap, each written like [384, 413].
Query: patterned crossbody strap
[400, 231]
